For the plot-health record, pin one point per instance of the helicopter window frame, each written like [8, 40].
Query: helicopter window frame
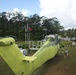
[51, 39]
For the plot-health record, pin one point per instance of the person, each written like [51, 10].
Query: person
[73, 43]
[66, 52]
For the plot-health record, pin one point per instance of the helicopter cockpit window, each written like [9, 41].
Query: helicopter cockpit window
[51, 39]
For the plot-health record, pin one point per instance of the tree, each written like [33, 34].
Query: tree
[14, 24]
[34, 23]
[3, 24]
[52, 26]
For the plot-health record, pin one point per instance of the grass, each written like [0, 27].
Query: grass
[20, 42]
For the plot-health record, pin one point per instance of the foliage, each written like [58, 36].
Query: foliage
[16, 25]
[70, 33]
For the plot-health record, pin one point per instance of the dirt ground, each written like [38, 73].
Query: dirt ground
[60, 65]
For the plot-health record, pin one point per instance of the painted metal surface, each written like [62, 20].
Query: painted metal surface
[26, 65]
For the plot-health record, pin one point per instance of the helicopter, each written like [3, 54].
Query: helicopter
[13, 62]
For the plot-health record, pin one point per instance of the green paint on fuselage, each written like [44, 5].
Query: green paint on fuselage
[17, 62]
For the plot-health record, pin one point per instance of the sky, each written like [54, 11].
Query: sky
[64, 10]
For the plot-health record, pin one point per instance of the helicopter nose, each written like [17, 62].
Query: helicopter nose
[4, 68]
